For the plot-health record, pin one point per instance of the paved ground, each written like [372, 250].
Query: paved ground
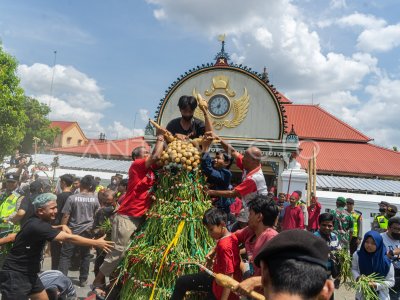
[343, 294]
[340, 294]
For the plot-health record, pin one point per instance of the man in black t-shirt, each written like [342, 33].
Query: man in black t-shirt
[19, 276]
[66, 181]
[186, 126]
[26, 209]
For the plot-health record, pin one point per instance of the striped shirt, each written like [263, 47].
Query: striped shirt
[56, 279]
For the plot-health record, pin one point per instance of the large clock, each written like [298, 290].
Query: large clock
[219, 105]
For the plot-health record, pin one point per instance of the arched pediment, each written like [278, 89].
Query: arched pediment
[242, 105]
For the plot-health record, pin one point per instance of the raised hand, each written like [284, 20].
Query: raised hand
[104, 245]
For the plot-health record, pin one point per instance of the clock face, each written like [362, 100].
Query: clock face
[218, 105]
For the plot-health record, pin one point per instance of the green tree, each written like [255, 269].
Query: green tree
[37, 125]
[12, 112]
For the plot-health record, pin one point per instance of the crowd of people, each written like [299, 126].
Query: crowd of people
[275, 244]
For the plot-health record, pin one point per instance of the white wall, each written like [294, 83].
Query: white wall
[367, 204]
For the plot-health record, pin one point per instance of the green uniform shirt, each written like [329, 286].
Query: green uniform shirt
[342, 225]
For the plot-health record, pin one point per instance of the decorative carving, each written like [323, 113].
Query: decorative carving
[220, 82]
[238, 108]
[292, 137]
[149, 130]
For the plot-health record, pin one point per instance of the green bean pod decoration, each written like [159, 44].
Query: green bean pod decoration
[179, 196]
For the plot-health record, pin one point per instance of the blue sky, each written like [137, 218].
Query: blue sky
[115, 59]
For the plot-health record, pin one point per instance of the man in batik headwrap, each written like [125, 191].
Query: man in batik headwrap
[294, 217]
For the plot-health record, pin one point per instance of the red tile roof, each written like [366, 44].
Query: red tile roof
[283, 99]
[107, 148]
[313, 122]
[61, 124]
[351, 158]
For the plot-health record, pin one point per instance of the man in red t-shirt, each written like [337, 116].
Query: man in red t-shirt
[262, 215]
[131, 212]
[314, 210]
[294, 217]
[253, 181]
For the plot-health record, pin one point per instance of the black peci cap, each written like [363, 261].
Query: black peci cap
[12, 177]
[295, 244]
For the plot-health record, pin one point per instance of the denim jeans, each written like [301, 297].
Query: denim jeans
[55, 250]
[67, 251]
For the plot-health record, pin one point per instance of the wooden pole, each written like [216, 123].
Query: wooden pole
[309, 183]
[314, 172]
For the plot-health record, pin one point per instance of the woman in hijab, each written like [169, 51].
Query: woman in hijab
[371, 258]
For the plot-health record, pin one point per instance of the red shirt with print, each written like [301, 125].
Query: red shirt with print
[137, 198]
[253, 245]
[252, 182]
[227, 261]
[248, 185]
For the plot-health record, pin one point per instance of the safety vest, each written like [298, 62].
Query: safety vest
[98, 188]
[356, 216]
[9, 205]
[383, 222]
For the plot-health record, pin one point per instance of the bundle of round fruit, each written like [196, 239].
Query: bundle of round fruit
[181, 154]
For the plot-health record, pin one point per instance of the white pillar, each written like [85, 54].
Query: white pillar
[294, 180]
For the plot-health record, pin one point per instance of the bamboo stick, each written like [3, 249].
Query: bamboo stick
[309, 183]
[167, 135]
[314, 172]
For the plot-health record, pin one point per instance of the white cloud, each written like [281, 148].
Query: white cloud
[336, 102]
[283, 38]
[379, 116]
[89, 120]
[144, 115]
[159, 14]
[74, 97]
[325, 23]
[264, 37]
[118, 131]
[380, 39]
[376, 35]
[276, 35]
[362, 20]
[69, 84]
[338, 4]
